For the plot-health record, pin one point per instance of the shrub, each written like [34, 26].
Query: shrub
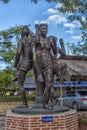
[15, 98]
[83, 120]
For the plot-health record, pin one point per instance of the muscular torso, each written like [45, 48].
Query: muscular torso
[43, 45]
[43, 57]
[24, 54]
[26, 49]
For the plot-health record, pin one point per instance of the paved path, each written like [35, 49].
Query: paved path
[2, 122]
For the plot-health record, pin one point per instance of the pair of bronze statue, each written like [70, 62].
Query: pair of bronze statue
[45, 65]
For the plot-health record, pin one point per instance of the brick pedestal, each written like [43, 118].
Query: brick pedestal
[60, 121]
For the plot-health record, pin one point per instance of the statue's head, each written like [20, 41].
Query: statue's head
[25, 30]
[52, 39]
[43, 29]
[60, 40]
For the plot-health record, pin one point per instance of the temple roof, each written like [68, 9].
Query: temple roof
[77, 66]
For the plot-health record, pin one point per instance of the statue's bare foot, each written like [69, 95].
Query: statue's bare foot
[46, 106]
[23, 106]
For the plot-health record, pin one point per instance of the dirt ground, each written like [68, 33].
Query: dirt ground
[4, 106]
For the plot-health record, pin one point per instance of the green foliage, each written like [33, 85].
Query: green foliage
[15, 98]
[7, 45]
[79, 49]
[4, 1]
[6, 77]
[30, 73]
[83, 120]
[7, 54]
[13, 32]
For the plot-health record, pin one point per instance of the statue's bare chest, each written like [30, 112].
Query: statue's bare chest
[44, 42]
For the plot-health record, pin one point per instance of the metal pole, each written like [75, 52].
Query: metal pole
[68, 48]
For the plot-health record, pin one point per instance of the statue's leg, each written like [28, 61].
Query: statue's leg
[51, 96]
[48, 75]
[60, 70]
[38, 73]
[39, 88]
[63, 69]
[21, 78]
[15, 78]
[56, 70]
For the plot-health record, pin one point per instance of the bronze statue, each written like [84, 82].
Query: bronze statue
[43, 60]
[58, 68]
[45, 65]
[23, 62]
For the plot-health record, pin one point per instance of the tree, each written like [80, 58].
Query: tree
[7, 53]
[79, 49]
[6, 76]
[7, 46]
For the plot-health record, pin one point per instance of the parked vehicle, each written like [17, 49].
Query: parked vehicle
[76, 99]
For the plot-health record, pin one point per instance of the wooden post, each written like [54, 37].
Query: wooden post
[61, 94]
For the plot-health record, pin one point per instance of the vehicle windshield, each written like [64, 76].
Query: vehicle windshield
[83, 93]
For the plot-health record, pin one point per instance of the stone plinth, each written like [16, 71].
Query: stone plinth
[60, 121]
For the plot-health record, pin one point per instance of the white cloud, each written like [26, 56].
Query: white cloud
[54, 16]
[77, 23]
[52, 11]
[36, 22]
[69, 25]
[76, 37]
[57, 19]
[69, 31]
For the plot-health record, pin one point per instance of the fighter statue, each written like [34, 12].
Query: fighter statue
[23, 62]
[46, 65]
[44, 61]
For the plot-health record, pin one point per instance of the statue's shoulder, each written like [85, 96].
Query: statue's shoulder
[52, 38]
[20, 41]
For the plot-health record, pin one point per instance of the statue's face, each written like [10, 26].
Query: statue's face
[43, 30]
[26, 31]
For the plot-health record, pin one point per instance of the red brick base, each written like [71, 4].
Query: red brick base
[61, 121]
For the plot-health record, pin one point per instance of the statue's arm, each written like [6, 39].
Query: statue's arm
[54, 46]
[31, 33]
[18, 53]
[62, 49]
[35, 37]
[37, 32]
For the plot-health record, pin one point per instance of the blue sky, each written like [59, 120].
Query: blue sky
[22, 12]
